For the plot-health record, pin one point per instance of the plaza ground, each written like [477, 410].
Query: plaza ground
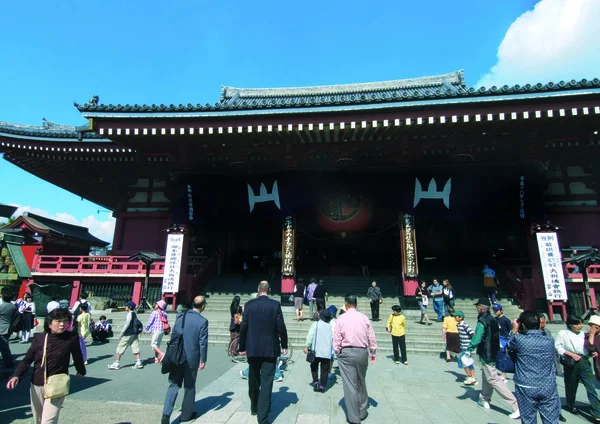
[428, 390]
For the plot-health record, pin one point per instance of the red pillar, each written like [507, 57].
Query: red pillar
[137, 292]
[75, 292]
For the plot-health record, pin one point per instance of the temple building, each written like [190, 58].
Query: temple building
[410, 178]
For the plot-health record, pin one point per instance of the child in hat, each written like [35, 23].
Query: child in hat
[396, 326]
[156, 325]
[464, 360]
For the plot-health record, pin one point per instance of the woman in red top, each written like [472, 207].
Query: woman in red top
[61, 346]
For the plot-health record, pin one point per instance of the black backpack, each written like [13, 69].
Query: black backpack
[136, 324]
[175, 355]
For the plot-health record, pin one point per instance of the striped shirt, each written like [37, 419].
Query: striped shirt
[465, 333]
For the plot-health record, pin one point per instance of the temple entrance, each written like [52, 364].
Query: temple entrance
[243, 249]
[458, 250]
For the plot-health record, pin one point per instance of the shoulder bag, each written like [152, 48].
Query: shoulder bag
[55, 386]
[310, 356]
[174, 356]
[565, 360]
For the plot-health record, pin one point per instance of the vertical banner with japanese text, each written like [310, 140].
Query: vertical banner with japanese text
[409, 246]
[288, 247]
[552, 269]
[172, 269]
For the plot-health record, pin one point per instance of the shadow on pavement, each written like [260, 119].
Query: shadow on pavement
[15, 403]
[211, 403]
[282, 400]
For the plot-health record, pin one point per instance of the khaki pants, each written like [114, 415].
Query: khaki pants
[127, 341]
[45, 411]
[490, 382]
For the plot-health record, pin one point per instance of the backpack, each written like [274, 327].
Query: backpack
[136, 324]
[175, 355]
[165, 324]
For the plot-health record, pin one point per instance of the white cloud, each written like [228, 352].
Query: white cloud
[104, 228]
[557, 40]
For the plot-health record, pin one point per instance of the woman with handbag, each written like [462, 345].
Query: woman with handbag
[50, 353]
[574, 356]
[319, 348]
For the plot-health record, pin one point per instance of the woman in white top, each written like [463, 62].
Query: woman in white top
[570, 343]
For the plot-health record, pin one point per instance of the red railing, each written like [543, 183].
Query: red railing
[593, 272]
[93, 265]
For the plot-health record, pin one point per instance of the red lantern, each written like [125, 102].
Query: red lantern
[344, 212]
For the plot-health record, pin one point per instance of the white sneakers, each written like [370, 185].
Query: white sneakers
[515, 415]
[484, 403]
[114, 366]
[471, 381]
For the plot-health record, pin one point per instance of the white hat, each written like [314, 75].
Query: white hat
[595, 319]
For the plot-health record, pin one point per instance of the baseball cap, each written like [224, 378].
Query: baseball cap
[130, 305]
[483, 301]
[497, 307]
[458, 314]
[161, 304]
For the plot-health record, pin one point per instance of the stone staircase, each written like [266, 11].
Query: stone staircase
[420, 339]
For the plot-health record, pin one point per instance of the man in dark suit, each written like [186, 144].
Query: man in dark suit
[195, 347]
[263, 338]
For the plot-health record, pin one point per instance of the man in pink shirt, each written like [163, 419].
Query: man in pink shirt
[353, 340]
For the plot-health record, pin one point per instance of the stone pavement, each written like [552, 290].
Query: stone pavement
[426, 391]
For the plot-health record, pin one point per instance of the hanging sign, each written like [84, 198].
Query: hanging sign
[409, 246]
[552, 270]
[172, 263]
[288, 247]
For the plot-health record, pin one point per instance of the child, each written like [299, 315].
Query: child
[102, 330]
[396, 326]
[465, 333]
[156, 326]
[84, 319]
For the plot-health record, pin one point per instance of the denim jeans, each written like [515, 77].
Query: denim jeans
[438, 308]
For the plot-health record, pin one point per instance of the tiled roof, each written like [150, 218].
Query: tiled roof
[47, 129]
[48, 225]
[439, 87]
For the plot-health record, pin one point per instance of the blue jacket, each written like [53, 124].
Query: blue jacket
[263, 333]
[195, 337]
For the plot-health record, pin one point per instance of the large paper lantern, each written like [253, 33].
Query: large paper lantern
[344, 211]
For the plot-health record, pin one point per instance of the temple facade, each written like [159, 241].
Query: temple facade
[413, 178]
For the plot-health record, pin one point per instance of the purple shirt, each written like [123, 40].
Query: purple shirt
[154, 322]
[310, 291]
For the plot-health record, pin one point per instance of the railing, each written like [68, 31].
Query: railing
[93, 265]
[512, 282]
[573, 272]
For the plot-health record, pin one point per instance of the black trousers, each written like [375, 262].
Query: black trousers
[260, 386]
[399, 341]
[375, 310]
[325, 365]
[582, 372]
[5, 351]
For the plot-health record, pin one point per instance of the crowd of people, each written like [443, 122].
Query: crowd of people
[347, 337]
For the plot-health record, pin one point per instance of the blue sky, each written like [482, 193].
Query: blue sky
[54, 53]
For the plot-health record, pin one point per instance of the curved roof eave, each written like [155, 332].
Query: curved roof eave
[458, 101]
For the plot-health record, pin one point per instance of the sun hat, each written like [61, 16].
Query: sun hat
[161, 305]
[595, 319]
[458, 314]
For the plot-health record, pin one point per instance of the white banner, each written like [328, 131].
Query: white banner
[172, 263]
[552, 269]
